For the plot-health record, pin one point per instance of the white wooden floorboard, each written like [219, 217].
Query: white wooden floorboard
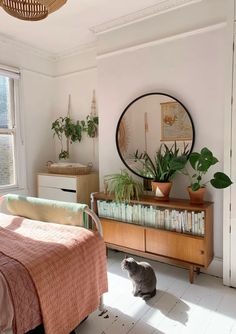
[204, 307]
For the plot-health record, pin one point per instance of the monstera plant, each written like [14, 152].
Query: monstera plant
[200, 163]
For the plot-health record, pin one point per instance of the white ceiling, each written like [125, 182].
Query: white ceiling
[69, 27]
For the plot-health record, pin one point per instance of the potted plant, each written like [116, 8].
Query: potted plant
[201, 163]
[162, 169]
[123, 186]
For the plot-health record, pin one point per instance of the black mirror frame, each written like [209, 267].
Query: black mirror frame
[138, 98]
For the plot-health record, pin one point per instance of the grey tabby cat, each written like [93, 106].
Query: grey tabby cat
[142, 276]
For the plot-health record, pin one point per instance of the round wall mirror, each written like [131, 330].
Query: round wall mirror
[148, 122]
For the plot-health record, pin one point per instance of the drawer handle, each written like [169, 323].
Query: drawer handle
[202, 252]
[68, 190]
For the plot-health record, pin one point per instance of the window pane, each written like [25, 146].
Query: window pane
[5, 119]
[6, 160]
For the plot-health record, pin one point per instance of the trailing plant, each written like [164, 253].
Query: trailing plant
[165, 164]
[90, 126]
[123, 186]
[66, 128]
[201, 163]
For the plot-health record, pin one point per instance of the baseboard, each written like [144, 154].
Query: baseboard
[215, 268]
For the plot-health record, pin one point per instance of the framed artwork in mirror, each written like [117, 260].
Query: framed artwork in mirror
[149, 121]
[175, 122]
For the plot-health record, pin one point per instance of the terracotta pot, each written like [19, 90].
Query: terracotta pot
[161, 190]
[197, 197]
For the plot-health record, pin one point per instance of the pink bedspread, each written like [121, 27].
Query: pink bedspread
[6, 307]
[26, 313]
[67, 265]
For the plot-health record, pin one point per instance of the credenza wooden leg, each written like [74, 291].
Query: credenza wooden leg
[198, 270]
[191, 274]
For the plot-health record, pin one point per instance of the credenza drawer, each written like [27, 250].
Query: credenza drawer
[175, 245]
[121, 234]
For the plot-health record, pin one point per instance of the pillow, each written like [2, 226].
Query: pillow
[47, 210]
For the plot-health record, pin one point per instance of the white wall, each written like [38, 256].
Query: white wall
[80, 85]
[77, 76]
[36, 100]
[37, 108]
[189, 66]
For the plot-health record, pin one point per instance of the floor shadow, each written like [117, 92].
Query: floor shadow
[113, 320]
[171, 306]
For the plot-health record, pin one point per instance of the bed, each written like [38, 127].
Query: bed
[52, 264]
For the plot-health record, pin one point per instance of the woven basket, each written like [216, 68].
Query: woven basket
[72, 169]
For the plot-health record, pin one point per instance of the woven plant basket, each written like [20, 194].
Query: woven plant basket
[69, 169]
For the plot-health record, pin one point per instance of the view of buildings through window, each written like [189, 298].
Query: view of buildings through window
[6, 134]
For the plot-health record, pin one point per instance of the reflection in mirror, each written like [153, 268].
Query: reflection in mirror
[150, 121]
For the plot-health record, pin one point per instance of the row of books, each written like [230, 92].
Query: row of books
[183, 221]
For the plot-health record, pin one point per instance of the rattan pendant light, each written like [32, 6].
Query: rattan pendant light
[31, 10]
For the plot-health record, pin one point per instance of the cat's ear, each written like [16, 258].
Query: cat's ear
[126, 256]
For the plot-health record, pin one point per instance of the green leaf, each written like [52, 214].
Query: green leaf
[193, 159]
[202, 161]
[206, 160]
[220, 181]
[164, 165]
[195, 186]
[64, 155]
[178, 163]
[206, 153]
[123, 186]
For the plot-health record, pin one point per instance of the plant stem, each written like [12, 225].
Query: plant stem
[186, 172]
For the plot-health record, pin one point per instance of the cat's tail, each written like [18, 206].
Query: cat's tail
[149, 294]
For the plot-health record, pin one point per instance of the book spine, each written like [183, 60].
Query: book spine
[182, 221]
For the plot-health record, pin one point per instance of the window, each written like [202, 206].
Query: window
[9, 131]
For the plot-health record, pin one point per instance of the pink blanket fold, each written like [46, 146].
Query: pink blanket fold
[24, 297]
[66, 263]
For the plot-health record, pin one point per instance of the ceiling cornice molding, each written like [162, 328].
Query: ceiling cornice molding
[49, 56]
[82, 48]
[160, 8]
[10, 42]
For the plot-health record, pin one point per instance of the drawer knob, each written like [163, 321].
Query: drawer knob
[202, 252]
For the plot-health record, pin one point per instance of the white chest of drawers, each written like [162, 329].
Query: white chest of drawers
[68, 188]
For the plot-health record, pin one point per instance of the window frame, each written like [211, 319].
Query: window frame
[17, 132]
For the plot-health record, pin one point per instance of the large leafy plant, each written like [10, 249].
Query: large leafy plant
[66, 128]
[123, 186]
[165, 164]
[201, 163]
